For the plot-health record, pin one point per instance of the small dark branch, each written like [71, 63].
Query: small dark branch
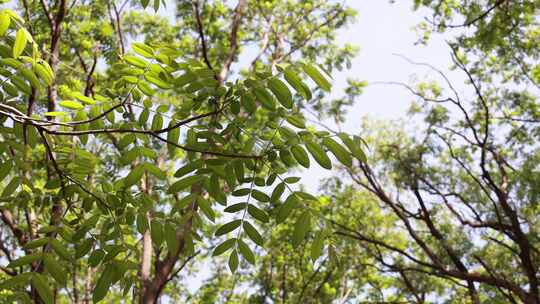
[413, 91]
[435, 69]
[29, 111]
[7, 252]
[476, 86]
[186, 261]
[301, 44]
[8, 271]
[81, 60]
[200, 29]
[473, 21]
[495, 275]
[410, 286]
[310, 279]
[50, 153]
[326, 279]
[231, 155]
[98, 131]
[9, 220]
[118, 16]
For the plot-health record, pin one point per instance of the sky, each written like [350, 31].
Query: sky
[381, 31]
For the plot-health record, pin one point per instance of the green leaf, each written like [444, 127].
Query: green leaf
[260, 196]
[319, 155]
[31, 78]
[226, 228]
[172, 136]
[235, 208]
[55, 269]
[233, 261]
[103, 284]
[185, 183]
[5, 168]
[287, 158]
[157, 82]
[246, 252]
[40, 283]
[83, 248]
[143, 118]
[70, 104]
[241, 192]
[257, 213]
[55, 114]
[126, 140]
[317, 245]
[291, 179]
[239, 170]
[214, 189]
[134, 176]
[281, 91]
[286, 209]
[223, 247]
[18, 280]
[264, 97]
[353, 147]
[142, 222]
[301, 228]
[319, 78]
[96, 257]
[156, 231]
[296, 82]
[143, 49]
[253, 234]
[21, 39]
[136, 61]
[157, 122]
[43, 72]
[248, 102]
[25, 260]
[297, 120]
[170, 238]
[145, 88]
[206, 208]
[300, 155]
[278, 191]
[36, 243]
[85, 99]
[339, 152]
[155, 171]
[5, 20]
[189, 167]
[59, 248]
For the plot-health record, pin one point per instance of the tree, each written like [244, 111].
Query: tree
[457, 191]
[122, 130]
[464, 187]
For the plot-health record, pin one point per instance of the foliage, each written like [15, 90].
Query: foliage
[460, 182]
[118, 155]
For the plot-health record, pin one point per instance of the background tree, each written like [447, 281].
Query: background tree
[458, 186]
[461, 188]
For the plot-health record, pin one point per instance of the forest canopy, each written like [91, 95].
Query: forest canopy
[144, 144]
